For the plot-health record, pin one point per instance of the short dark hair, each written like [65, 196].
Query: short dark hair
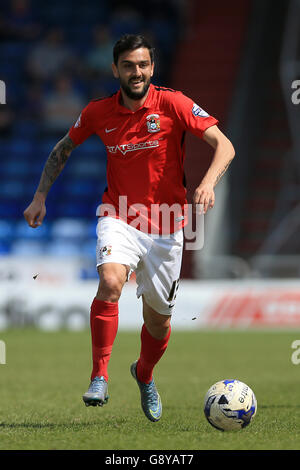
[130, 42]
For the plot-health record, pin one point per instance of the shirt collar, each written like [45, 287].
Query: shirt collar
[148, 103]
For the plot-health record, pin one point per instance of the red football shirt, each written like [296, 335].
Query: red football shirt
[145, 155]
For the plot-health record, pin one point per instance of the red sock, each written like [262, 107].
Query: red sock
[152, 350]
[104, 326]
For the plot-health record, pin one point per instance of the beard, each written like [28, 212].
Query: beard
[135, 95]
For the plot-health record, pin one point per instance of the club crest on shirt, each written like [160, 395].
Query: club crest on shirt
[153, 123]
[105, 251]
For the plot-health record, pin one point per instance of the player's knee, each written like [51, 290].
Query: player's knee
[157, 324]
[110, 288]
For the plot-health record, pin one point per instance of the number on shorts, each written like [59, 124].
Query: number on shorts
[173, 291]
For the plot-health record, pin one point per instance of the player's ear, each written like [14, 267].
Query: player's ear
[152, 69]
[114, 70]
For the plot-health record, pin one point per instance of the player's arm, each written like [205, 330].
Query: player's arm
[36, 211]
[223, 155]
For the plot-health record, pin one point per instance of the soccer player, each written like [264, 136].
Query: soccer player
[143, 128]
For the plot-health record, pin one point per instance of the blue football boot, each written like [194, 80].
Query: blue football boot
[150, 399]
[97, 392]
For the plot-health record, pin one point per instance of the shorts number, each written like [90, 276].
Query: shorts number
[173, 291]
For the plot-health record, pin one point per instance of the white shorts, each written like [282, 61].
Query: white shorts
[155, 259]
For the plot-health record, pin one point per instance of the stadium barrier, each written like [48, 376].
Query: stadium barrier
[48, 294]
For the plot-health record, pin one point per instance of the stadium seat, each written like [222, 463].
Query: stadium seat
[92, 147]
[11, 209]
[63, 248]
[91, 230]
[45, 146]
[80, 189]
[4, 147]
[20, 148]
[87, 168]
[27, 129]
[23, 231]
[27, 248]
[68, 228]
[11, 189]
[7, 230]
[15, 168]
[4, 248]
[74, 209]
[89, 249]
[88, 273]
[13, 51]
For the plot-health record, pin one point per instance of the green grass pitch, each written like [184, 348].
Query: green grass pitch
[46, 373]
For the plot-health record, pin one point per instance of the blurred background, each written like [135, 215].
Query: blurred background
[240, 61]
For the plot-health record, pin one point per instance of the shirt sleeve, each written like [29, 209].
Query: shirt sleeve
[191, 116]
[82, 129]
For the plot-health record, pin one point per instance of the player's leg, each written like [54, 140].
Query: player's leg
[154, 340]
[116, 256]
[155, 336]
[105, 315]
[157, 280]
[104, 326]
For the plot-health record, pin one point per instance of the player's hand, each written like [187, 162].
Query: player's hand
[204, 198]
[35, 212]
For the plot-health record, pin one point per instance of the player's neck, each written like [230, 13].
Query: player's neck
[133, 105]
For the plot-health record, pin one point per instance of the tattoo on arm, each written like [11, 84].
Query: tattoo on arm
[55, 163]
[223, 171]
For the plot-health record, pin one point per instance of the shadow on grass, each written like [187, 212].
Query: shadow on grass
[108, 424]
[28, 425]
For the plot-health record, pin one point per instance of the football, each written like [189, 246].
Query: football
[230, 405]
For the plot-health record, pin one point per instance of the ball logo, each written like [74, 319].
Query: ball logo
[153, 123]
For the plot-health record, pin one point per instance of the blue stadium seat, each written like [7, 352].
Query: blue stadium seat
[79, 189]
[91, 231]
[56, 14]
[88, 273]
[27, 129]
[4, 147]
[73, 210]
[11, 189]
[20, 148]
[10, 72]
[87, 168]
[67, 228]
[15, 168]
[11, 209]
[128, 25]
[7, 230]
[45, 146]
[23, 231]
[28, 248]
[89, 249]
[63, 248]
[4, 248]
[92, 147]
[13, 51]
